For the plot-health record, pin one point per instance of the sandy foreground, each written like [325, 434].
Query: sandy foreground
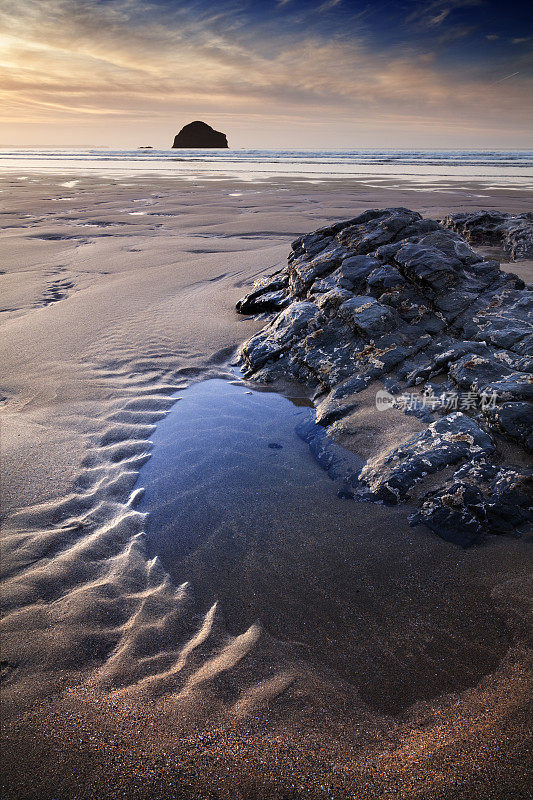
[309, 647]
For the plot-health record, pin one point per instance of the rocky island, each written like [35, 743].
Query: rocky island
[404, 305]
[198, 134]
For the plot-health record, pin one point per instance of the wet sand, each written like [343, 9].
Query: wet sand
[303, 646]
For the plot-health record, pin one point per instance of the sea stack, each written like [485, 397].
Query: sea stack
[199, 134]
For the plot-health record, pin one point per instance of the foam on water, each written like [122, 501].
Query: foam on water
[507, 167]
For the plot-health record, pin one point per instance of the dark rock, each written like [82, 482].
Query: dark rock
[366, 316]
[385, 278]
[489, 375]
[448, 441]
[331, 409]
[375, 228]
[338, 462]
[427, 266]
[502, 319]
[268, 295]
[259, 302]
[281, 333]
[480, 498]
[302, 272]
[389, 296]
[515, 420]
[199, 134]
[514, 234]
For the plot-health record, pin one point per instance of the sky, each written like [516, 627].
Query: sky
[280, 74]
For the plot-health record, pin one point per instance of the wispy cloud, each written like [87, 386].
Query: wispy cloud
[439, 17]
[328, 5]
[434, 13]
[506, 77]
[63, 61]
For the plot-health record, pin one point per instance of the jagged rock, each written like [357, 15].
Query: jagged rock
[515, 420]
[388, 296]
[448, 441]
[273, 299]
[199, 134]
[486, 375]
[514, 234]
[366, 316]
[480, 498]
[503, 320]
[281, 333]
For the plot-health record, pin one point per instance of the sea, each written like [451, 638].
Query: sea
[492, 168]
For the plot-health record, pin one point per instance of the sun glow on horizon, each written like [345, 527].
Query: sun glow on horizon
[68, 68]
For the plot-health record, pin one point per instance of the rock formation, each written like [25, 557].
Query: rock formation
[199, 134]
[406, 304]
[514, 234]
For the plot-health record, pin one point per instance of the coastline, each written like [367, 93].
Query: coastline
[116, 293]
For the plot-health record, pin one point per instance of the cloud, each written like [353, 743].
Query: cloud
[125, 59]
[440, 17]
[430, 15]
[507, 77]
[328, 5]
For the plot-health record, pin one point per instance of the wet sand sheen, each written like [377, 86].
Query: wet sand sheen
[237, 505]
[329, 620]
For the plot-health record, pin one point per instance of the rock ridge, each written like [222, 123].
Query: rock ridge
[513, 233]
[405, 303]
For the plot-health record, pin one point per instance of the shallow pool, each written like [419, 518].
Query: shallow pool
[239, 507]
[228, 457]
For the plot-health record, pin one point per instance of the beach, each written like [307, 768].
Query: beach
[300, 645]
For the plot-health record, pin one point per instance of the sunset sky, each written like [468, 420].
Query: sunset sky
[275, 73]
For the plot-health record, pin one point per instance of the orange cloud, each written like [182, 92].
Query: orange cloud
[65, 62]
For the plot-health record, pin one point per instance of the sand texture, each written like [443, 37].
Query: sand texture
[293, 645]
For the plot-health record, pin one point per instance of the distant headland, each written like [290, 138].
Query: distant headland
[199, 134]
